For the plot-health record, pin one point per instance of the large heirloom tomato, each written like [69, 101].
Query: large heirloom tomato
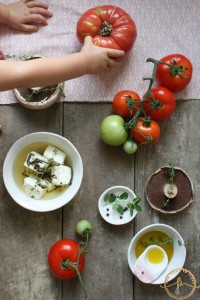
[61, 252]
[145, 131]
[177, 76]
[125, 103]
[160, 105]
[109, 26]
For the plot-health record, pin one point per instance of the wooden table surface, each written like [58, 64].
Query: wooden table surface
[25, 236]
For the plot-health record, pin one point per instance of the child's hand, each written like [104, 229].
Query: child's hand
[99, 59]
[26, 15]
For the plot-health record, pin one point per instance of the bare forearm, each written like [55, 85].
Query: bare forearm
[42, 71]
[49, 71]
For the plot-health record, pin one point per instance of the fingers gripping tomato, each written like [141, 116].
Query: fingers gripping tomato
[109, 26]
[126, 103]
[176, 73]
[60, 253]
[160, 105]
[145, 131]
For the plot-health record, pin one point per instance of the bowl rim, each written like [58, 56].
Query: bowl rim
[41, 205]
[100, 205]
[157, 227]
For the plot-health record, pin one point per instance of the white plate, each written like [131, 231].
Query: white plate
[109, 214]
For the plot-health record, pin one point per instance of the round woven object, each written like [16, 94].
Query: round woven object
[155, 190]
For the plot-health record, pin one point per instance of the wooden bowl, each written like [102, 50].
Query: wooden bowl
[156, 193]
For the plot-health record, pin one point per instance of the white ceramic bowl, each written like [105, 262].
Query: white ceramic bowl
[179, 255]
[15, 158]
[108, 213]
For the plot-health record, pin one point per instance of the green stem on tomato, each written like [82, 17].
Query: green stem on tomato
[140, 111]
[66, 263]
[74, 265]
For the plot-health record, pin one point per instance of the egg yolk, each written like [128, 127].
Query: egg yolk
[155, 256]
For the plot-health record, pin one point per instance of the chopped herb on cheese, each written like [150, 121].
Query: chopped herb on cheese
[45, 172]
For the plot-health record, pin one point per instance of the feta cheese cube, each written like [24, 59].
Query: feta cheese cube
[36, 162]
[54, 155]
[61, 175]
[34, 187]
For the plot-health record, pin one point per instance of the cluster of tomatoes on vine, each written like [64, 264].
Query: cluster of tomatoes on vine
[136, 120]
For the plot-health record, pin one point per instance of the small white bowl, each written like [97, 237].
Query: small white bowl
[108, 213]
[13, 179]
[179, 254]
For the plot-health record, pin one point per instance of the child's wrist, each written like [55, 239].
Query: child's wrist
[4, 13]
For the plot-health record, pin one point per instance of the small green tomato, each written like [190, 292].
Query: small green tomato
[130, 147]
[83, 227]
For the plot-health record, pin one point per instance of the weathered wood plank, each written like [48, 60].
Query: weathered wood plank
[106, 274]
[180, 140]
[25, 236]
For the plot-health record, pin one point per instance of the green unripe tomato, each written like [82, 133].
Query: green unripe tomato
[130, 147]
[112, 130]
[83, 227]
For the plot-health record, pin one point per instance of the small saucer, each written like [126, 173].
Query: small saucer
[111, 215]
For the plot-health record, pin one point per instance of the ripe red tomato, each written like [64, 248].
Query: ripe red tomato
[177, 76]
[125, 103]
[2, 57]
[161, 105]
[60, 252]
[145, 131]
[109, 26]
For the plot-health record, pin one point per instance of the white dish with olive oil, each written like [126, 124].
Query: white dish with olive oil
[164, 236]
[14, 168]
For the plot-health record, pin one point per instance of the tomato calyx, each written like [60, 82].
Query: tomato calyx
[106, 29]
[175, 69]
[147, 122]
[130, 103]
[155, 104]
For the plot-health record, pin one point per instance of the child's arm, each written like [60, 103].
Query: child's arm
[24, 15]
[47, 71]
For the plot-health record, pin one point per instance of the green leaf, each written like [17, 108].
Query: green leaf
[136, 200]
[131, 207]
[123, 196]
[112, 198]
[107, 198]
[138, 208]
[120, 209]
